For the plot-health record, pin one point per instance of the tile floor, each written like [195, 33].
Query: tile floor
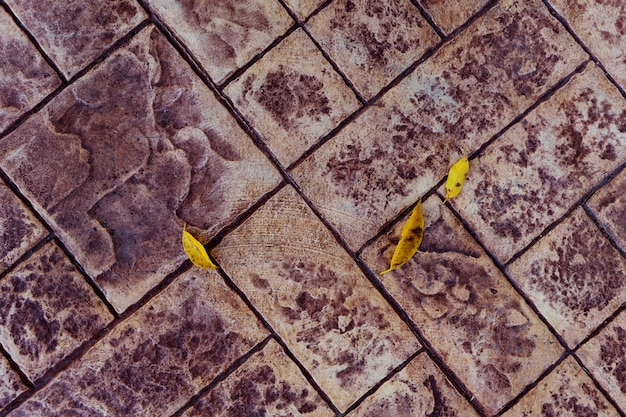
[293, 137]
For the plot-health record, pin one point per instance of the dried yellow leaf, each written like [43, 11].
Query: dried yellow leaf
[410, 240]
[196, 251]
[456, 178]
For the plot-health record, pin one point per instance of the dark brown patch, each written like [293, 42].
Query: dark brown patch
[613, 355]
[563, 402]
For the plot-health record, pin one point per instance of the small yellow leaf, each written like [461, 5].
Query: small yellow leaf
[410, 240]
[456, 178]
[196, 251]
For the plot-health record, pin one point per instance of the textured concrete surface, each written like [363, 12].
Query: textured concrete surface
[293, 138]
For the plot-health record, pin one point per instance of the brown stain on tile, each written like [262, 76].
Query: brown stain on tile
[451, 18]
[613, 355]
[10, 384]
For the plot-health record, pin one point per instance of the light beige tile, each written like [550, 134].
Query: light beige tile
[292, 97]
[453, 102]
[372, 42]
[156, 360]
[303, 8]
[10, 384]
[316, 298]
[466, 309]
[566, 392]
[609, 206]
[46, 311]
[268, 384]
[537, 170]
[448, 16]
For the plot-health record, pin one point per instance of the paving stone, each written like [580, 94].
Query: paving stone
[292, 96]
[605, 357]
[46, 311]
[372, 42]
[224, 35]
[10, 384]
[19, 229]
[316, 298]
[466, 308]
[567, 391]
[609, 206]
[453, 102]
[303, 8]
[420, 389]
[602, 27]
[538, 169]
[118, 161]
[449, 18]
[25, 77]
[75, 33]
[156, 360]
[575, 277]
[268, 384]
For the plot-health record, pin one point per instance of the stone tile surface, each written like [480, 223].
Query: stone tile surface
[449, 18]
[303, 8]
[602, 27]
[420, 389]
[315, 297]
[292, 97]
[47, 309]
[575, 277]
[224, 35]
[10, 384]
[453, 102]
[156, 360]
[19, 228]
[538, 169]
[566, 392]
[138, 147]
[372, 42]
[268, 384]
[605, 357]
[25, 77]
[467, 309]
[75, 33]
[609, 206]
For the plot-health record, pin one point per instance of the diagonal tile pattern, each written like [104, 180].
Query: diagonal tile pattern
[293, 137]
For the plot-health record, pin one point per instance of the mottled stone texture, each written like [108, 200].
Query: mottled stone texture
[19, 229]
[119, 160]
[268, 384]
[566, 392]
[158, 358]
[75, 33]
[453, 102]
[609, 206]
[25, 78]
[448, 17]
[420, 389]
[467, 309]
[46, 311]
[223, 34]
[292, 97]
[372, 42]
[538, 169]
[10, 384]
[315, 297]
[303, 8]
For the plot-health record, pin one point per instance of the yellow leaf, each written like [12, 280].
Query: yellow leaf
[456, 178]
[196, 251]
[410, 240]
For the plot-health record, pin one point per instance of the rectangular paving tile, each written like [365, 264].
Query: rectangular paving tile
[372, 42]
[566, 392]
[47, 309]
[19, 228]
[609, 206]
[316, 298]
[268, 384]
[453, 102]
[605, 357]
[156, 360]
[575, 277]
[538, 169]
[420, 389]
[466, 309]
[601, 25]
[224, 35]
[292, 96]
[448, 17]
[10, 384]
[75, 33]
[127, 154]
[25, 77]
